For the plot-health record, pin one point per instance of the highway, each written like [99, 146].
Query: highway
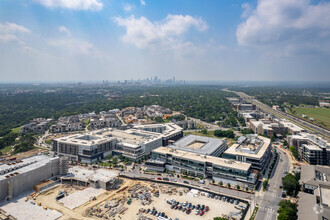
[304, 124]
[268, 202]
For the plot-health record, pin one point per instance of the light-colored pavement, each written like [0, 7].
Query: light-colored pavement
[268, 201]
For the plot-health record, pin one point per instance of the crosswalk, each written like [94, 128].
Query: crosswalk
[273, 195]
[267, 209]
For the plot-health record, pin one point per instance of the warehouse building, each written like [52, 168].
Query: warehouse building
[252, 149]
[201, 165]
[20, 176]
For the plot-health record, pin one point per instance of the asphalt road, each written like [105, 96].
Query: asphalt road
[268, 203]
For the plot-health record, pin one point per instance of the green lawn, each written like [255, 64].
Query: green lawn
[16, 130]
[6, 149]
[320, 115]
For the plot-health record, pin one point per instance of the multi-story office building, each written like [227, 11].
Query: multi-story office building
[276, 127]
[205, 166]
[252, 149]
[311, 148]
[170, 131]
[201, 145]
[133, 143]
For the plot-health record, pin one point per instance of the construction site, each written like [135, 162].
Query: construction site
[131, 200]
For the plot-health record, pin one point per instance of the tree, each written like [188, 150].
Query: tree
[219, 218]
[287, 210]
[294, 152]
[220, 183]
[265, 184]
[115, 160]
[238, 187]
[228, 184]
[159, 119]
[285, 143]
[291, 184]
[204, 131]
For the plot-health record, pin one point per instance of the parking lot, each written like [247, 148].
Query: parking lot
[188, 205]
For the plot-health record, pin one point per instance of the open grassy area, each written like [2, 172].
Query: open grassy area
[208, 134]
[16, 130]
[321, 115]
[6, 149]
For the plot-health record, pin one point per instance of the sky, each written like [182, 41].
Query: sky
[213, 40]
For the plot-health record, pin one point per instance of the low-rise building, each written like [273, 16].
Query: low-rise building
[37, 125]
[187, 124]
[246, 107]
[99, 178]
[252, 149]
[199, 165]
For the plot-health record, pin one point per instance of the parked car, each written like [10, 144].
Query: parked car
[186, 182]
[159, 178]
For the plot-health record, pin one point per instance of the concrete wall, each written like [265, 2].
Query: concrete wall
[24, 181]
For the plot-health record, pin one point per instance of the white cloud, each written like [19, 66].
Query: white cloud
[128, 7]
[93, 5]
[290, 26]
[167, 33]
[8, 27]
[143, 2]
[11, 32]
[247, 10]
[65, 30]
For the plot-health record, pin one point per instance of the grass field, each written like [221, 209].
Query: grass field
[321, 115]
[6, 149]
[16, 130]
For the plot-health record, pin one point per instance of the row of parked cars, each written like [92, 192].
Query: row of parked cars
[188, 207]
[223, 198]
[156, 213]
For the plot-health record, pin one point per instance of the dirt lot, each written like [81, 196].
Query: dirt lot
[116, 204]
[48, 199]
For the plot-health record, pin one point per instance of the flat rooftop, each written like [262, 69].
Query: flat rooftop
[132, 137]
[325, 195]
[198, 144]
[203, 158]
[85, 139]
[254, 149]
[85, 174]
[14, 168]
